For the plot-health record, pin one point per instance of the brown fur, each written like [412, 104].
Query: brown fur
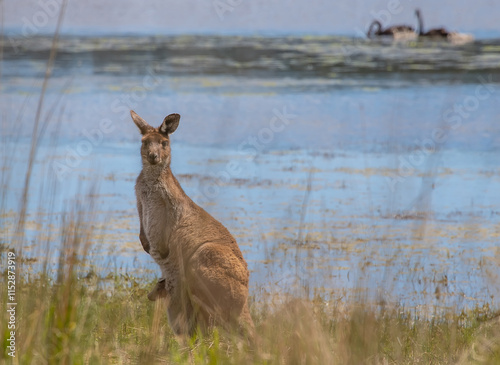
[204, 275]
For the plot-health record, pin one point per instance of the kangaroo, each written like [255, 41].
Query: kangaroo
[204, 276]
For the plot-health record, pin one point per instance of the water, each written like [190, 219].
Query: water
[339, 164]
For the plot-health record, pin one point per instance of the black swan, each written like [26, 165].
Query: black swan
[396, 31]
[441, 33]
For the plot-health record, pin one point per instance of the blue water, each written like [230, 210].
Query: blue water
[398, 144]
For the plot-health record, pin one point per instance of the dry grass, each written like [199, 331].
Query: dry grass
[76, 319]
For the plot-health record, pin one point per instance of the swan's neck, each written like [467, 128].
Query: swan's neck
[420, 24]
[371, 31]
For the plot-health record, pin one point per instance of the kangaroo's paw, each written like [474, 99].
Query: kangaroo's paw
[159, 291]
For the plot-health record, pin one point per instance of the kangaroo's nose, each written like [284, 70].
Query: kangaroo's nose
[153, 158]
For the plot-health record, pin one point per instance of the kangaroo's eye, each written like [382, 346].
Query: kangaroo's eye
[164, 143]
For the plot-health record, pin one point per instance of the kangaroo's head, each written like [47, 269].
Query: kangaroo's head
[155, 148]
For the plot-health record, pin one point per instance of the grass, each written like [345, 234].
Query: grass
[76, 319]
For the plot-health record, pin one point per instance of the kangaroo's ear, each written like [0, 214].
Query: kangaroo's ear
[144, 127]
[170, 124]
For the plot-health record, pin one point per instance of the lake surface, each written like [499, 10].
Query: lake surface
[344, 167]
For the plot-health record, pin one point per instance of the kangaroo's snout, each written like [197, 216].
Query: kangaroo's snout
[153, 158]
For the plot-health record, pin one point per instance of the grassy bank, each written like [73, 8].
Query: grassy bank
[72, 318]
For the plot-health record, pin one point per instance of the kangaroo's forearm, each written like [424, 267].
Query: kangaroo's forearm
[144, 240]
[142, 235]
